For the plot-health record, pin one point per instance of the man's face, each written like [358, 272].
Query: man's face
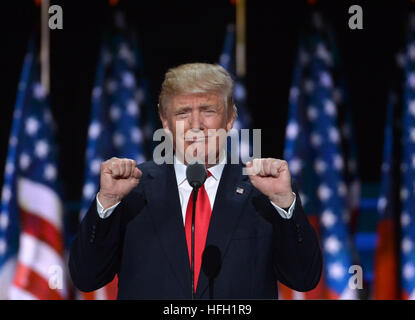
[197, 123]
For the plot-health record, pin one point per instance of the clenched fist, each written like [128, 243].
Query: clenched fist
[272, 178]
[118, 178]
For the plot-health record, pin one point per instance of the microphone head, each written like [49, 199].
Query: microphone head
[196, 174]
[211, 261]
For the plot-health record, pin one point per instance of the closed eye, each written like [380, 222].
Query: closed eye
[181, 112]
[210, 111]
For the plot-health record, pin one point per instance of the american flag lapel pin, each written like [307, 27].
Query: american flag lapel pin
[239, 190]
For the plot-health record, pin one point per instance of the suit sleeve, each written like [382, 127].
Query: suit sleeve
[95, 253]
[297, 255]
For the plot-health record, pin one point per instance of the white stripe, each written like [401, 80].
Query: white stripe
[17, 293]
[412, 296]
[79, 295]
[6, 277]
[101, 294]
[348, 294]
[40, 257]
[39, 199]
[298, 295]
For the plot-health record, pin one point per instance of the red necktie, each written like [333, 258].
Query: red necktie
[203, 212]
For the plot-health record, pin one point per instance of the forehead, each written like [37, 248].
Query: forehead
[196, 99]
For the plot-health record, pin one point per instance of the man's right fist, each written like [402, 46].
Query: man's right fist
[118, 178]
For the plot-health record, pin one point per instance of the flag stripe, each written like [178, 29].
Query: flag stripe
[41, 200]
[109, 292]
[42, 230]
[20, 294]
[112, 289]
[386, 268]
[6, 277]
[40, 257]
[34, 283]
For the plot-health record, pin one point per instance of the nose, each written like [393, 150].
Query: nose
[196, 122]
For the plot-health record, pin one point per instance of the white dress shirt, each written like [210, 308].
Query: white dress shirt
[211, 187]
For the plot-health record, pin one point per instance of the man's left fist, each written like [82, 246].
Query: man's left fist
[272, 178]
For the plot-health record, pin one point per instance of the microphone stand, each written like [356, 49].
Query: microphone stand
[196, 175]
[192, 267]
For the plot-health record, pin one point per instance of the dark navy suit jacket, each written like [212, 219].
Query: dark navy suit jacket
[249, 246]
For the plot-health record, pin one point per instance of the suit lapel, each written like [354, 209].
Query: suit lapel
[231, 195]
[166, 213]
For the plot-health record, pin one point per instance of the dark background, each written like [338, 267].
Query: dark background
[174, 32]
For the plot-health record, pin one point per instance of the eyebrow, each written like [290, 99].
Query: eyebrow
[206, 106]
[189, 108]
[183, 109]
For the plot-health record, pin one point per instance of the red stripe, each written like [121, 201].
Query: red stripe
[314, 222]
[30, 281]
[386, 284]
[88, 295]
[319, 292]
[42, 230]
[285, 292]
[332, 295]
[110, 290]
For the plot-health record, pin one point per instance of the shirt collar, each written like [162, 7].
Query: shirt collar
[180, 170]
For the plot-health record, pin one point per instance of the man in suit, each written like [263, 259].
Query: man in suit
[250, 230]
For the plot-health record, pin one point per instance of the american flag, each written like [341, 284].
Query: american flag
[386, 284]
[316, 160]
[31, 208]
[407, 192]
[116, 121]
[349, 148]
[243, 120]
[386, 264]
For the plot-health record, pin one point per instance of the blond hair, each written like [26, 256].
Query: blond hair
[192, 78]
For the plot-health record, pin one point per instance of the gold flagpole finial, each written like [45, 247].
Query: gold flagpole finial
[44, 46]
[240, 38]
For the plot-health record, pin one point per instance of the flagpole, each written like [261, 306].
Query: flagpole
[240, 38]
[44, 46]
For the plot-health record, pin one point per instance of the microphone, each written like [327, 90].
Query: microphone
[196, 175]
[211, 265]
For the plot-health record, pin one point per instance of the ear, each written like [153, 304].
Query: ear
[163, 120]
